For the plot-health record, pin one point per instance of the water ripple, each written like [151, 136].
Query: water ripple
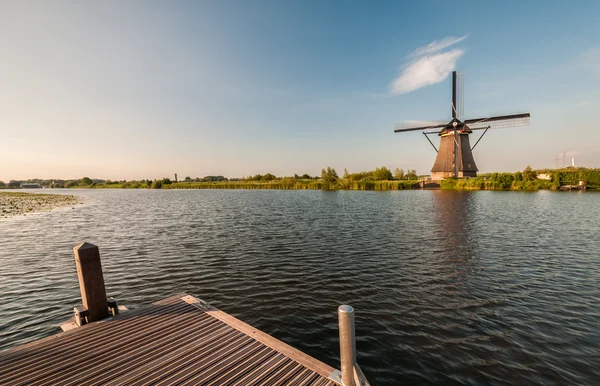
[469, 288]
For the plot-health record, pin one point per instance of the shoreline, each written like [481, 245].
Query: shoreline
[359, 186]
[378, 179]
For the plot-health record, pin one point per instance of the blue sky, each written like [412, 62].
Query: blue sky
[130, 90]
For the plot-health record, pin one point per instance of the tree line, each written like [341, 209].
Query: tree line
[379, 174]
[380, 177]
[331, 180]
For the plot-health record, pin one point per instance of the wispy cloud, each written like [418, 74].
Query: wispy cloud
[437, 45]
[425, 71]
[427, 65]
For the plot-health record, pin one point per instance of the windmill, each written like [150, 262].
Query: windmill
[455, 155]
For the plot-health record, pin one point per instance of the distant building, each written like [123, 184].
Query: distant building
[544, 177]
[30, 186]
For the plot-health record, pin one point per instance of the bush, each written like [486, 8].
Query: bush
[501, 180]
[529, 174]
[382, 174]
[329, 177]
[399, 174]
[411, 175]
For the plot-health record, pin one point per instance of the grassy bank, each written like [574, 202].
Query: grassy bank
[544, 179]
[480, 183]
[15, 204]
[378, 179]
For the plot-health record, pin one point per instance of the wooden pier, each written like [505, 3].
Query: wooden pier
[178, 340]
[574, 185]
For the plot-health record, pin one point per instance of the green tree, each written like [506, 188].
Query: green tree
[2, 185]
[329, 177]
[411, 174]
[86, 181]
[166, 181]
[188, 179]
[501, 180]
[399, 174]
[346, 174]
[268, 177]
[257, 177]
[518, 176]
[529, 174]
[556, 178]
[382, 174]
[156, 184]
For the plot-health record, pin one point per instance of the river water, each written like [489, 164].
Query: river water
[449, 287]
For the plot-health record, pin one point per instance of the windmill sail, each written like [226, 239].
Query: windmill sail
[419, 125]
[499, 122]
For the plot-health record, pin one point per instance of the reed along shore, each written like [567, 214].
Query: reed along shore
[294, 185]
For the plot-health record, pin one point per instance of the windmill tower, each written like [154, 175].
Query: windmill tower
[455, 155]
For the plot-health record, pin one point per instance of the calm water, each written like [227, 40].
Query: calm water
[449, 287]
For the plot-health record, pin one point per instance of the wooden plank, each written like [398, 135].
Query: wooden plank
[287, 350]
[178, 340]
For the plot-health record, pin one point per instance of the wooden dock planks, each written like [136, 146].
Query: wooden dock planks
[179, 340]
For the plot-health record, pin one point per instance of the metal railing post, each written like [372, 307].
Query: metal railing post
[347, 344]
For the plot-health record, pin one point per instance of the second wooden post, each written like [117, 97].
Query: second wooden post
[91, 281]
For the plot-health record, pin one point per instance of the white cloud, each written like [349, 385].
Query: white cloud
[437, 45]
[425, 71]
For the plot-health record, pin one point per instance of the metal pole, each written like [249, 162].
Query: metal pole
[347, 344]
[426, 136]
[486, 129]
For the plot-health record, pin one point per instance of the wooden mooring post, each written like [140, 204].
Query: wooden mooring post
[91, 281]
[93, 293]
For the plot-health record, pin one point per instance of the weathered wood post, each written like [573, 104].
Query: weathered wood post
[91, 281]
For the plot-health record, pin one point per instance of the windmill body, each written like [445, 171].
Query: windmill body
[454, 157]
[455, 153]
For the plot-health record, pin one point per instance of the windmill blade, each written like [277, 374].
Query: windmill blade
[419, 125]
[498, 122]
